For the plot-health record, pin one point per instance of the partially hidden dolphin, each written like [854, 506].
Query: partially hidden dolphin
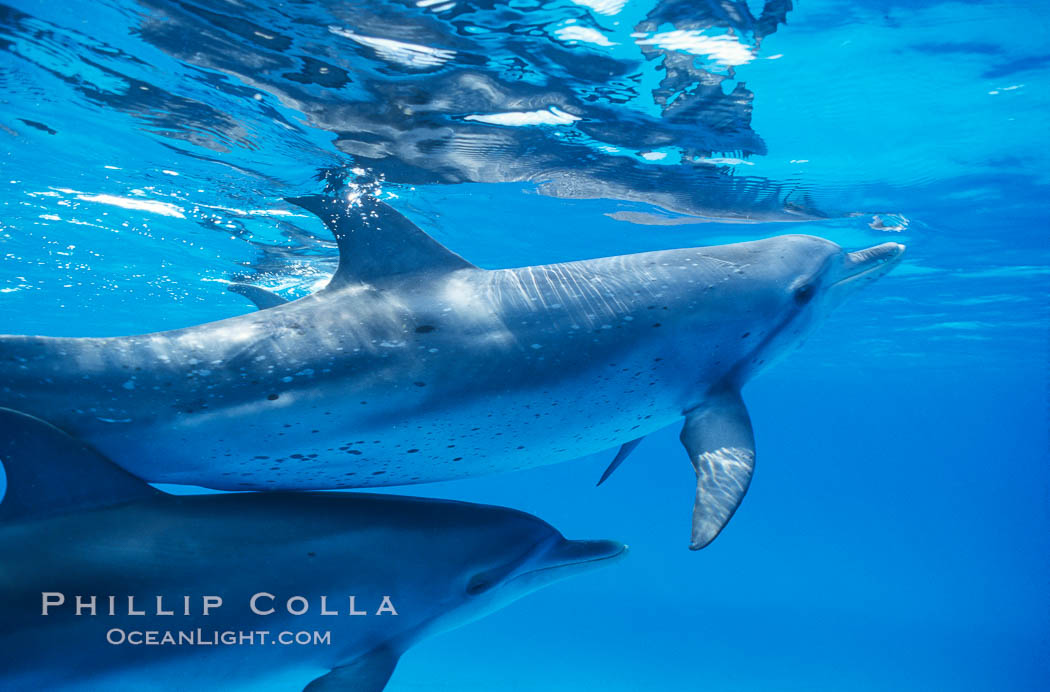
[413, 365]
[322, 591]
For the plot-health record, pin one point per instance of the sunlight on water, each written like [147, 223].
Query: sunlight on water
[709, 112]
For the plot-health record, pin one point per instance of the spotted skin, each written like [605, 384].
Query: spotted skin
[443, 373]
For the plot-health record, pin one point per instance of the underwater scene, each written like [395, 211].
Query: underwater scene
[434, 345]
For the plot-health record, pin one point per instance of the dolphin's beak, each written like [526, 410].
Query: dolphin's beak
[569, 553]
[563, 558]
[868, 265]
[862, 267]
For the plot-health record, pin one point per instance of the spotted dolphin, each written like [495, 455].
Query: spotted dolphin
[322, 591]
[413, 365]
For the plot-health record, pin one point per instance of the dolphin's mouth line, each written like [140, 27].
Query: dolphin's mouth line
[872, 262]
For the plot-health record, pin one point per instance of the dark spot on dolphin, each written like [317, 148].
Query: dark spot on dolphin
[656, 324]
[420, 384]
[411, 451]
[378, 473]
[458, 459]
[424, 329]
[272, 397]
[745, 335]
[311, 554]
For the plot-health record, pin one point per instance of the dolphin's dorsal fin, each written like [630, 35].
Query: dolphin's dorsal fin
[368, 673]
[721, 446]
[262, 298]
[48, 472]
[375, 241]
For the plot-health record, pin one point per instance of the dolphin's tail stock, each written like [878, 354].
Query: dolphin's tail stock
[376, 241]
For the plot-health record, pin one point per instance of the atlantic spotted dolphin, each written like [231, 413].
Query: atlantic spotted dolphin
[108, 584]
[413, 365]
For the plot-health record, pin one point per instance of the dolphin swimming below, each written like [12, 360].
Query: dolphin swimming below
[109, 584]
[413, 365]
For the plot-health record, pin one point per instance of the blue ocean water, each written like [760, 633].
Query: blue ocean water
[897, 533]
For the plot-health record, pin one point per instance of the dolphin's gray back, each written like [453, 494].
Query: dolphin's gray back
[319, 393]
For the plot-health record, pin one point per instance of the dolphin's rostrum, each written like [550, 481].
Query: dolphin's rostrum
[89, 550]
[413, 365]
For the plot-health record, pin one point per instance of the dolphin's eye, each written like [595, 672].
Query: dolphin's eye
[804, 294]
[478, 585]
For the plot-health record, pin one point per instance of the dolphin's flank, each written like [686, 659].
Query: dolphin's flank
[414, 365]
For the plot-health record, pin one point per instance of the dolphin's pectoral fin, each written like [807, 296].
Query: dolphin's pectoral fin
[624, 452]
[376, 241]
[368, 673]
[260, 296]
[721, 446]
[48, 472]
